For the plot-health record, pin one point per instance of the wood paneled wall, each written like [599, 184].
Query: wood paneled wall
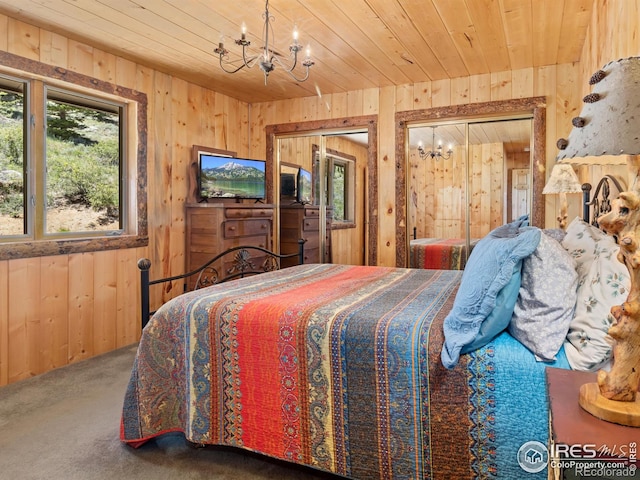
[550, 82]
[60, 309]
[437, 192]
[56, 310]
[486, 188]
[298, 151]
[436, 202]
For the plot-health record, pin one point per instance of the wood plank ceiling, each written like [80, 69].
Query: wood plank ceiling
[356, 44]
[514, 134]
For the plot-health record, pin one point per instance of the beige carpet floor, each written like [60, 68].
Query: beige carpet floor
[65, 425]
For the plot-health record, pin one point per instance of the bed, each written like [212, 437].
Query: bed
[439, 253]
[376, 372]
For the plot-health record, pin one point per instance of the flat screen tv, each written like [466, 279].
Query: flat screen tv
[303, 193]
[230, 177]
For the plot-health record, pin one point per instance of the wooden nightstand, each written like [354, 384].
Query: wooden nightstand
[581, 445]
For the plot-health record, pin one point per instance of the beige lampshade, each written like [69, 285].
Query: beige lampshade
[562, 180]
[609, 124]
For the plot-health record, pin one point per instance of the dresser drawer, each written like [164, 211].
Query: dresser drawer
[245, 228]
[312, 241]
[248, 212]
[312, 255]
[254, 241]
[311, 225]
[312, 212]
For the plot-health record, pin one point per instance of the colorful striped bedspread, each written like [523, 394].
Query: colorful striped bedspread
[439, 253]
[336, 367]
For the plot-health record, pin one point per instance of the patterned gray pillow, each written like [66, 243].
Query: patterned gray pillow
[547, 299]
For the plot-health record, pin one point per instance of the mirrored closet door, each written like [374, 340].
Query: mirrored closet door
[464, 178]
[321, 185]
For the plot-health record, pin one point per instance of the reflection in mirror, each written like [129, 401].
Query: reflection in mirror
[296, 152]
[464, 180]
[347, 169]
[356, 136]
[338, 184]
[288, 184]
[298, 217]
[436, 182]
[533, 108]
[506, 146]
[331, 216]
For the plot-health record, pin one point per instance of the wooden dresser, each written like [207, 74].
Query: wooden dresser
[303, 221]
[214, 227]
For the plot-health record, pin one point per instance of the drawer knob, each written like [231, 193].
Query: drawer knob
[232, 228]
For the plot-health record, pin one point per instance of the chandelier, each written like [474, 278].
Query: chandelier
[267, 57]
[436, 152]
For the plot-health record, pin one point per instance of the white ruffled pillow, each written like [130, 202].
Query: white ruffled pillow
[547, 299]
[603, 282]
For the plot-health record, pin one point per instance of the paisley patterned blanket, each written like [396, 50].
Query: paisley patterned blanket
[336, 367]
[439, 253]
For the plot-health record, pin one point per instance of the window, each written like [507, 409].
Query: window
[340, 187]
[12, 158]
[340, 192]
[72, 164]
[83, 161]
[81, 189]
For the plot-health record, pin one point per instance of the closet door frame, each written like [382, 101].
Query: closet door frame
[535, 106]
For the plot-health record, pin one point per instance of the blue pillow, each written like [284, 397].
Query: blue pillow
[521, 221]
[488, 290]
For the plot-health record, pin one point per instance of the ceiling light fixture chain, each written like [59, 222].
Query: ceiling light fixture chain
[268, 57]
[435, 152]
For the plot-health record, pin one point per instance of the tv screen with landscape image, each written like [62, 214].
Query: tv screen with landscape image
[230, 177]
[304, 186]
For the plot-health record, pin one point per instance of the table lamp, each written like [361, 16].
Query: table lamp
[607, 131]
[563, 180]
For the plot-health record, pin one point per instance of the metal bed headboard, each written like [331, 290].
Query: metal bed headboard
[235, 262]
[592, 208]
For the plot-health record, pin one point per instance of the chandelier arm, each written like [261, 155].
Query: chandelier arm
[286, 68]
[292, 75]
[251, 62]
[231, 71]
[247, 63]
